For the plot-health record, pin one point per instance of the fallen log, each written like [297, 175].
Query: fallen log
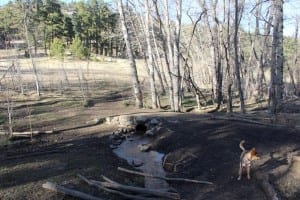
[268, 189]
[164, 178]
[61, 189]
[117, 186]
[155, 192]
[29, 134]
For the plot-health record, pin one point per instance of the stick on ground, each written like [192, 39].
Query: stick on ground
[164, 178]
[99, 186]
[61, 189]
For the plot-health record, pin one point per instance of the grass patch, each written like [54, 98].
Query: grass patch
[38, 110]
[189, 101]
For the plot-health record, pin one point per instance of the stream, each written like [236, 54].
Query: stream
[150, 162]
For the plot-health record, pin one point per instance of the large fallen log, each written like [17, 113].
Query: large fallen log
[268, 189]
[164, 178]
[109, 184]
[29, 134]
[61, 189]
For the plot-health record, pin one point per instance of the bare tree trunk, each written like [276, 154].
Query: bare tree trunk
[279, 59]
[176, 69]
[236, 57]
[217, 70]
[227, 47]
[276, 88]
[134, 75]
[150, 58]
[37, 83]
[170, 52]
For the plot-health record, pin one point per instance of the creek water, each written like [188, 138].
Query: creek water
[151, 161]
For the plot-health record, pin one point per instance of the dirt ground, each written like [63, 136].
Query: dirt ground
[196, 145]
[207, 143]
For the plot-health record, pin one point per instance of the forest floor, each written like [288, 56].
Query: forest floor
[202, 145]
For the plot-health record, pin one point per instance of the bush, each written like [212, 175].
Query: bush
[57, 48]
[77, 49]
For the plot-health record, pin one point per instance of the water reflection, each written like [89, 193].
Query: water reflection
[151, 161]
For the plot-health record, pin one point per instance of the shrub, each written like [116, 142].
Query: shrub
[57, 48]
[77, 49]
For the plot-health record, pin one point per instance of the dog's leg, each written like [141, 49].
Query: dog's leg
[240, 172]
[248, 172]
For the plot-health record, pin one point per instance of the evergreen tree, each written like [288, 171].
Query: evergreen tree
[77, 49]
[57, 48]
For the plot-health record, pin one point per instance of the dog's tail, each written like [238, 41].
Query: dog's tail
[242, 146]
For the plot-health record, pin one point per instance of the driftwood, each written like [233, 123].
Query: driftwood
[268, 189]
[164, 178]
[112, 186]
[57, 188]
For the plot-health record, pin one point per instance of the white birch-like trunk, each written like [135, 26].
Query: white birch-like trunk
[150, 58]
[134, 75]
[176, 67]
[37, 83]
[170, 51]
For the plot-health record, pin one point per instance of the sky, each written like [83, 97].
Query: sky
[3, 2]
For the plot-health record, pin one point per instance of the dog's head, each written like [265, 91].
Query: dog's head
[254, 155]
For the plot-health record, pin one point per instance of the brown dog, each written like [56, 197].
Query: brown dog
[246, 158]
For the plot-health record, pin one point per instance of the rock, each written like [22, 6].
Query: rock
[149, 132]
[112, 120]
[144, 147]
[137, 163]
[126, 120]
[153, 131]
[154, 122]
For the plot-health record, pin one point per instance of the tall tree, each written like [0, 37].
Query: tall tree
[148, 25]
[26, 6]
[236, 55]
[134, 75]
[276, 88]
[168, 50]
[213, 25]
[176, 67]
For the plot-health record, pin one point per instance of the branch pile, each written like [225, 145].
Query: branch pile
[127, 191]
